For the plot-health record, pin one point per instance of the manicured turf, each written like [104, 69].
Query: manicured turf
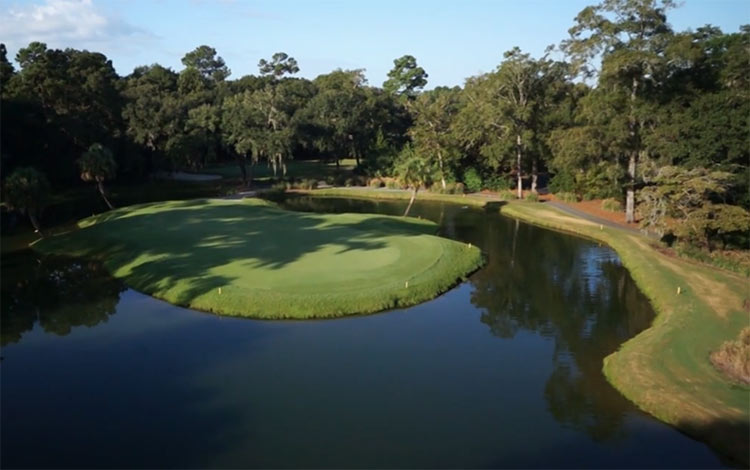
[250, 258]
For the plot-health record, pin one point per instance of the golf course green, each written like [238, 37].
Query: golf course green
[250, 258]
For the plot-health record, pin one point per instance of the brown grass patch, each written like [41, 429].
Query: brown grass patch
[733, 358]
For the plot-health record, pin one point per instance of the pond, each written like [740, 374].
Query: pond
[504, 370]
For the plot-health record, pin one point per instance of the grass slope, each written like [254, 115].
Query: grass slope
[250, 258]
[665, 370]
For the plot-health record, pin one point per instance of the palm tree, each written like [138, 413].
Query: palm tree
[413, 171]
[27, 190]
[97, 164]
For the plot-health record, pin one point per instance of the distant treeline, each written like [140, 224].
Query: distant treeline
[656, 119]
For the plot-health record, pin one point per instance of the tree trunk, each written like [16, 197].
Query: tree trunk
[243, 170]
[534, 175]
[104, 196]
[518, 165]
[442, 173]
[411, 201]
[273, 165]
[630, 194]
[632, 160]
[250, 175]
[35, 223]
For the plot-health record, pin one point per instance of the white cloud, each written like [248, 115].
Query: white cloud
[67, 23]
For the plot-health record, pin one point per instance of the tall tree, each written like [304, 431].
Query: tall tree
[406, 78]
[434, 112]
[504, 111]
[207, 63]
[630, 36]
[280, 64]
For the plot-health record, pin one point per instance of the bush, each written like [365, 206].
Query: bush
[376, 183]
[532, 197]
[348, 182]
[566, 197]
[733, 358]
[450, 188]
[472, 180]
[496, 183]
[612, 205]
[562, 182]
[507, 195]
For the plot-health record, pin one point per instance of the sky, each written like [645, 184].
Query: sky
[451, 40]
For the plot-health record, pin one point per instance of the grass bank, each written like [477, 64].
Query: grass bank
[665, 370]
[251, 258]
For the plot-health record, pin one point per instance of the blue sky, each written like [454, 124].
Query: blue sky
[450, 39]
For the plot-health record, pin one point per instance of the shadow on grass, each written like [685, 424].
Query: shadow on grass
[181, 242]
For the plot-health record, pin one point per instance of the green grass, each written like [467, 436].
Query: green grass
[250, 258]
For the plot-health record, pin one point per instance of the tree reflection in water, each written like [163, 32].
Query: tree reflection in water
[571, 291]
[58, 293]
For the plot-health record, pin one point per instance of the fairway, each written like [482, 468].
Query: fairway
[251, 258]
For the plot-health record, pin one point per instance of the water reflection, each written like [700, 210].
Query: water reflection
[58, 293]
[570, 290]
[503, 371]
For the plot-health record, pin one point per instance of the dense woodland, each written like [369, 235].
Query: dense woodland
[625, 108]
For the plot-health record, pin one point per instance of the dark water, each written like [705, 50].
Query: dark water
[502, 371]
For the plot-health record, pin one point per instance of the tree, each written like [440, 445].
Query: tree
[27, 190]
[504, 111]
[279, 65]
[98, 165]
[6, 70]
[630, 36]
[405, 78]
[687, 204]
[431, 133]
[207, 63]
[338, 117]
[414, 171]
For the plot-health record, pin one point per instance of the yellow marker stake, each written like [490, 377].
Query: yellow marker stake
[219, 290]
[678, 290]
[406, 285]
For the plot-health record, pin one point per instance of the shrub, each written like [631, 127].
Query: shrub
[733, 358]
[376, 183]
[450, 188]
[562, 182]
[507, 195]
[532, 197]
[496, 183]
[567, 197]
[472, 180]
[612, 205]
[348, 182]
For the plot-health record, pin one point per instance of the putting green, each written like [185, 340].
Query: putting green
[251, 258]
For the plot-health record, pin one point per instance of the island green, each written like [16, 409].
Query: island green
[251, 258]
